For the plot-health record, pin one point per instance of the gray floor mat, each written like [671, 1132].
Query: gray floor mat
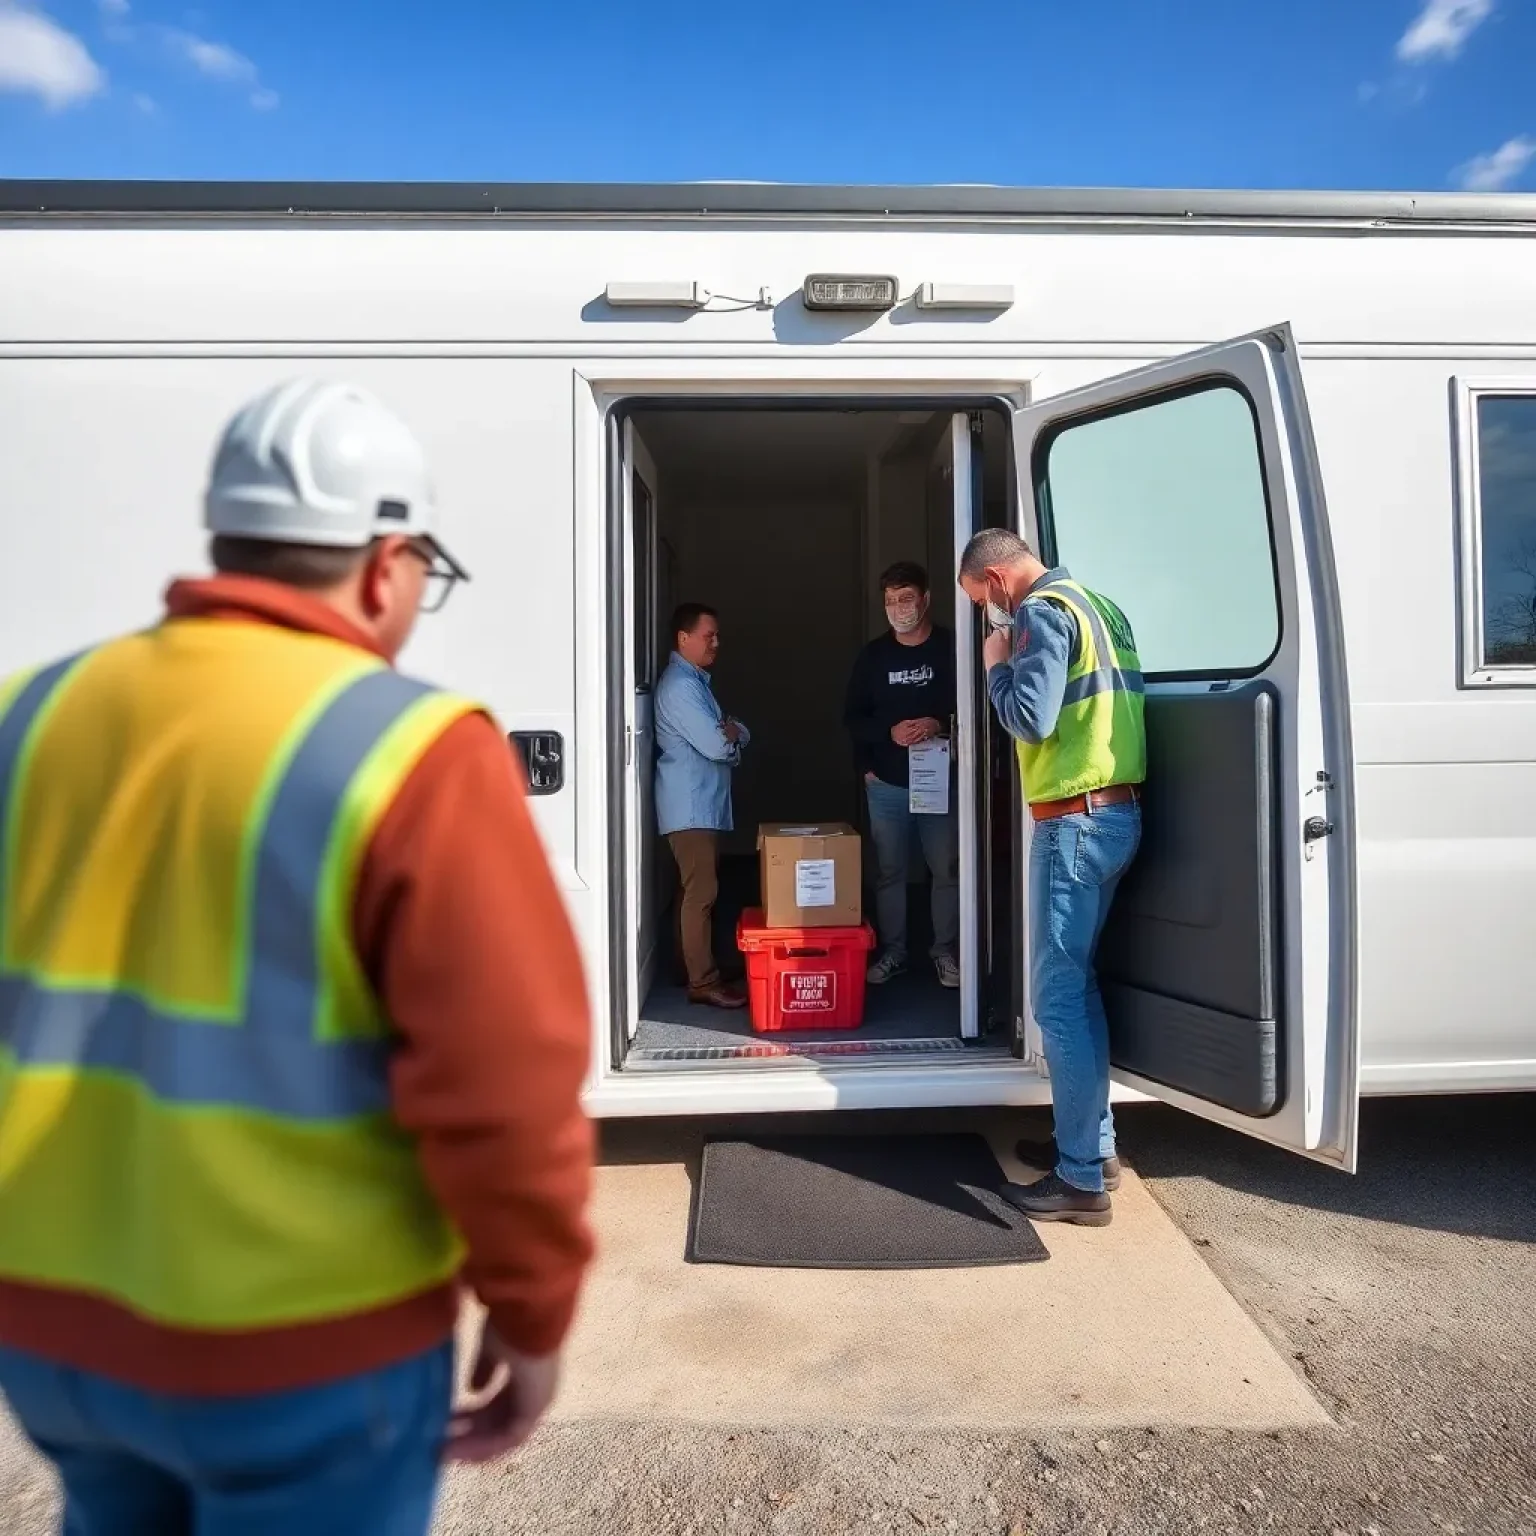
[855, 1202]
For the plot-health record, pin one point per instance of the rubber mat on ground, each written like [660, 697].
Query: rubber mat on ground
[855, 1202]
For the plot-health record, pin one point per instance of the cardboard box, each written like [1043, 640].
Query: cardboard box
[811, 874]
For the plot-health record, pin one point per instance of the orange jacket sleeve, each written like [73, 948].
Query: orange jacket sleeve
[465, 936]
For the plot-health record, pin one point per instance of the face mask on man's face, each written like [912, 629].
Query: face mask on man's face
[997, 615]
[904, 617]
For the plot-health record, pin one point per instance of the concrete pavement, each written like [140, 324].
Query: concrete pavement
[1405, 1297]
[1123, 1325]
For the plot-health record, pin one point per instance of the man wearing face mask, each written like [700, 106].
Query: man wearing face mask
[902, 692]
[1065, 680]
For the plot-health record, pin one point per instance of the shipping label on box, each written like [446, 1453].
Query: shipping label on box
[815, 882]
[811, 875]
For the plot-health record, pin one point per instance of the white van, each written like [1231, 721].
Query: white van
[1323, 530]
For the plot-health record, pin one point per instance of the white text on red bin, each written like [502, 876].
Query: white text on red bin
[808, 991]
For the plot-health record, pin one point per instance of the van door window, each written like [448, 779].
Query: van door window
[1163, 507]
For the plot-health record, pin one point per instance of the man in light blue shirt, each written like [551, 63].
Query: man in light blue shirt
[697, 748]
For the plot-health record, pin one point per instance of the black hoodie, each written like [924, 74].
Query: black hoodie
[893, 682]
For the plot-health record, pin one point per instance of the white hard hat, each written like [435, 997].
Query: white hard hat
[317, 462]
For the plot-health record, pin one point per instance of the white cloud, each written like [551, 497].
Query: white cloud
[39, 58]
[1441, 29]
[1500, 168]
[216, 60]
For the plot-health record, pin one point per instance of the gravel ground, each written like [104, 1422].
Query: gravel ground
[1406, 1296]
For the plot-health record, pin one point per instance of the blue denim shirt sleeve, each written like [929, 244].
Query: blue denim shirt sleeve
[1027, 691]
[694, 760]
[686, 705]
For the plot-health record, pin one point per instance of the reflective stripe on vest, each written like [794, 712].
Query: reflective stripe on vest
[1099, 738]
[194, 1093]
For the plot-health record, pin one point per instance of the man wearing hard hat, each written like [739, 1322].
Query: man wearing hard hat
[292, 1027]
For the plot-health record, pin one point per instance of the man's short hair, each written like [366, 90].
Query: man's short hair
[993, 548]
[309, 567]
[905, 573]
[686, 616]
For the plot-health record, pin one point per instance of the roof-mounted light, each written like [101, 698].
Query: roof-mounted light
[849, 291]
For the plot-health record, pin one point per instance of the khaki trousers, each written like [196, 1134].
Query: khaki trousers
[696, 853]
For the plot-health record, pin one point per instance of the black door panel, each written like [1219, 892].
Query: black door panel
[1190, 959]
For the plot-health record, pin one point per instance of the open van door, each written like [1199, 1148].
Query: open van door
[1188, 492]
[642, 644]
[961, 452]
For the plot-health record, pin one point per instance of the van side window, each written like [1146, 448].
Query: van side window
[1504, 493]
[1161, 506]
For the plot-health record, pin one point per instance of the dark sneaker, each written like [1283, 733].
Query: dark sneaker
[1052, 1199]
[948, 969]
[1043, 1155]
[888, 966]
[723, 994]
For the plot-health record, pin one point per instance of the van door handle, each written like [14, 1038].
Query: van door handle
[543, 755]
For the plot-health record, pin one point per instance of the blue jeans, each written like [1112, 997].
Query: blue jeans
[1075, 864]
[890, 829]
[356, 1456]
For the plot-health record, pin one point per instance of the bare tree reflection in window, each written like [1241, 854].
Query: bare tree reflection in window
[1507, 502]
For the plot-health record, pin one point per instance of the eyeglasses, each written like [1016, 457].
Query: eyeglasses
[442, 578]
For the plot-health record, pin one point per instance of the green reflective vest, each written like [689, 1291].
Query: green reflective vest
[195, 1114]
[1099, 738]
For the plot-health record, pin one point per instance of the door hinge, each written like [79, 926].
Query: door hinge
[629, 745]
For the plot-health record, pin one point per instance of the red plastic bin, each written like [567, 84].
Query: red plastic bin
[804, 978]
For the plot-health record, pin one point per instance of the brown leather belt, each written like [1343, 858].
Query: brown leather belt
[1116, 794]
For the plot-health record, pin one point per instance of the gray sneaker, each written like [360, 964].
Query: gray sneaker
[888, 965]
[948, 968]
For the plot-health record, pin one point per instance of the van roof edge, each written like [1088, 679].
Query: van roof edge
[64, 198]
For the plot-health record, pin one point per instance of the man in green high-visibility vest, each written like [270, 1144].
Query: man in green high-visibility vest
[1065, 680]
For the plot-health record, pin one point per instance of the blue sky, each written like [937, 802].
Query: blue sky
[1420, 94]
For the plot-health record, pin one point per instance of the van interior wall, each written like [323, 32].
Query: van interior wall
[786, 535]
[781, 567]
[909, 515]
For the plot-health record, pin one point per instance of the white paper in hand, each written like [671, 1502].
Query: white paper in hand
[928, 777]
[815, 883]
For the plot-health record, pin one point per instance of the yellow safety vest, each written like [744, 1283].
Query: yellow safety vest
[1099, 739]
[194, 1103]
